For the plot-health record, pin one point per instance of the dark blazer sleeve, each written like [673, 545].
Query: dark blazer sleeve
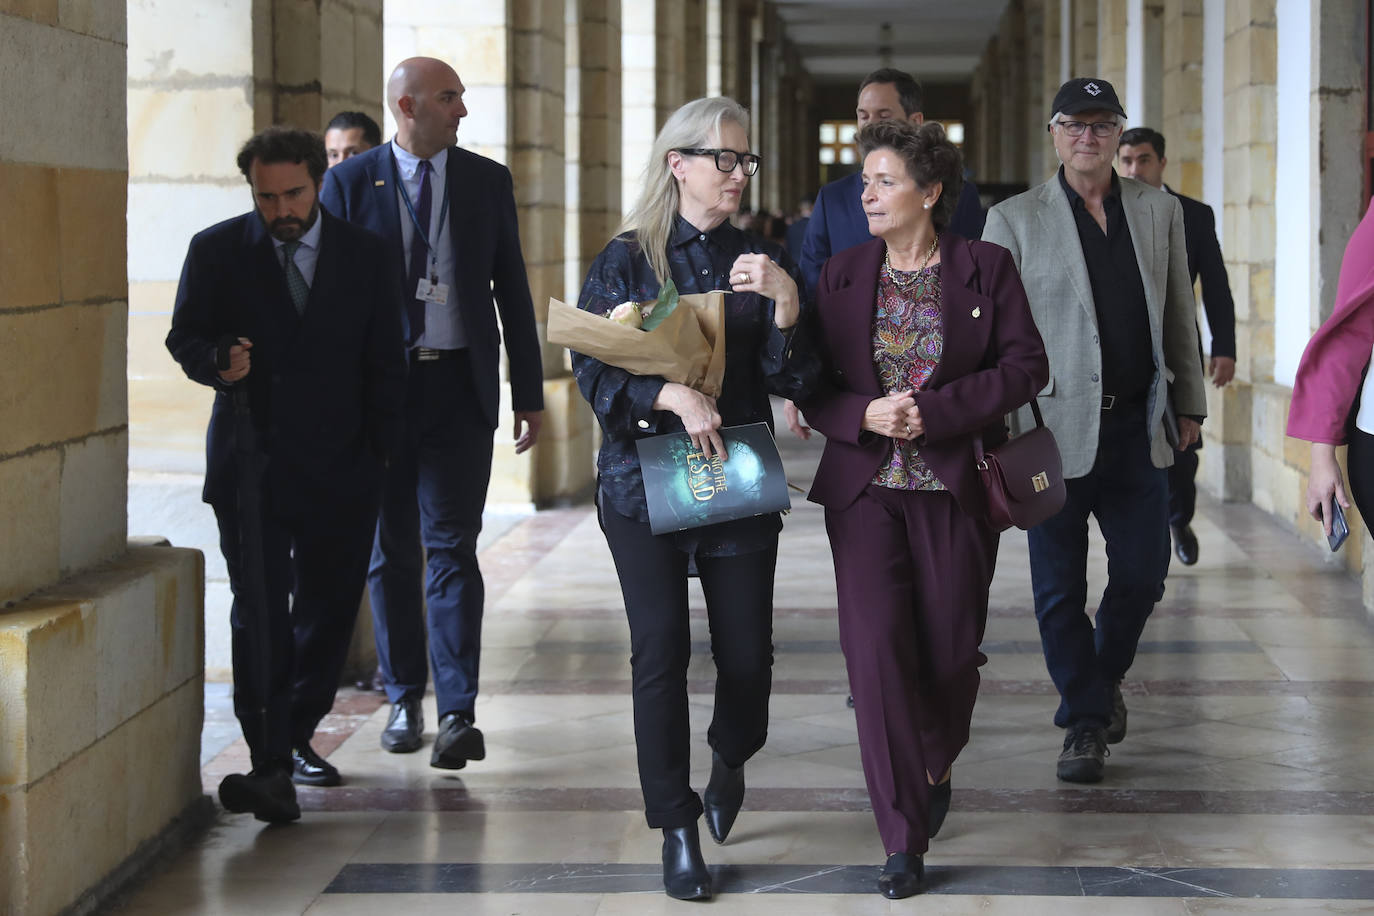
[815, 246]
[511, 288]
[1216, 286]
[384, 364]
[1017, 367]
[192, 339]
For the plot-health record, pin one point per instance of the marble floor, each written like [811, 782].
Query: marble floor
[1246, 783]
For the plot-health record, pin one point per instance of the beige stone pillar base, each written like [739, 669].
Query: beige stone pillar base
[101, 706]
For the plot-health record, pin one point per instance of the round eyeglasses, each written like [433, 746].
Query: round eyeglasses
[727, 159]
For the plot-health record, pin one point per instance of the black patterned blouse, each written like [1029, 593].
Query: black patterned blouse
[759, 360]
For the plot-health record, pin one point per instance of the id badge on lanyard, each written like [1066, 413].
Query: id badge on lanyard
[428, 289]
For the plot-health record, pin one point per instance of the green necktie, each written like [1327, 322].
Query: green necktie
[295, 280]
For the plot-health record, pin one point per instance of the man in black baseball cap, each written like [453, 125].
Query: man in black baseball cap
[1086, 94]
[1110, 293]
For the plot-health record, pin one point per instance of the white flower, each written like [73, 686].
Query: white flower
[627, 313]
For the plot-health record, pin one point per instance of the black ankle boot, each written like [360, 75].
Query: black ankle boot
[724, 795]
[902, 875]
[684, 871]
[937, 806]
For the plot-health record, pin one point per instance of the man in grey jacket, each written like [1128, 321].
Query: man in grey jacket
[1104, 263]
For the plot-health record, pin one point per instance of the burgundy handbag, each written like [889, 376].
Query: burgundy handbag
[1023, 477]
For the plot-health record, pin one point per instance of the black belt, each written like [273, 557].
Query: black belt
[1116, 402]
[427, 354]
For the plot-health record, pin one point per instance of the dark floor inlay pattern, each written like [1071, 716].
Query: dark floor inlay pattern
[574, 878]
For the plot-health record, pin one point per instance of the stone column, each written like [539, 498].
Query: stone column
[1084, 38]
[1010, 40]
[1037, 110]
[1111, 46]
[1182, 96]
[695, 52]
[653, 83]
[315, 58]
[100, 671]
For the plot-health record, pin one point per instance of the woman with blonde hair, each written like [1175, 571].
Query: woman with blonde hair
[679, 230]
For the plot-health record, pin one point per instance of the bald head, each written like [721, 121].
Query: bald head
[425, 96]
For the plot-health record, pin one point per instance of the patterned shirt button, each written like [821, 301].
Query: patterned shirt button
[643, 424]
[705, 271]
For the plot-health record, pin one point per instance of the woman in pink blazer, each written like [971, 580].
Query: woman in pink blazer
[929, 341]
[1333, 372]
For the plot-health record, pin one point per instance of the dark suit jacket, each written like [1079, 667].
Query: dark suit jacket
[325, 388]
[1204, 258]
[993, 361]
[489, 266]
[838, 222]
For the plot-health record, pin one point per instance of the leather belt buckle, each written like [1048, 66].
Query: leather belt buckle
[1108, 401]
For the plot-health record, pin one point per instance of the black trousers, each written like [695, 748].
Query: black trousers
[739, 605]
[314, 569]
[1359, 462]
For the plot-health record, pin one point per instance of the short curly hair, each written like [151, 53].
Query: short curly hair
[285, 144]
[929, 156]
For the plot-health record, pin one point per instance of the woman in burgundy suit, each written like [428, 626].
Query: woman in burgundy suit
[929, 341]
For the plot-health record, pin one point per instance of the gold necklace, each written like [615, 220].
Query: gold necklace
[934, 244]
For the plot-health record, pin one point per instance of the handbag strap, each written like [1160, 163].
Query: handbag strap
[979, 456]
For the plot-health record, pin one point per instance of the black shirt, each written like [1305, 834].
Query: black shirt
[1123, 319]
[759, 360]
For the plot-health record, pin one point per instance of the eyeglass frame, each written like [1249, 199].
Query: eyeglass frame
[742, 160]
[1086, 126]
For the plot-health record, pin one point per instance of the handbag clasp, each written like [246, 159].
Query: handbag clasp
[1040, 481]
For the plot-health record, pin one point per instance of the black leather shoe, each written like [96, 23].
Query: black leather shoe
[902, 876]
[404, 728]
[1185, 545]
[458, 742]
[267, 795]
[937, 806]
[310, 769]
[684, 871]
[724, 795]
[849, 701]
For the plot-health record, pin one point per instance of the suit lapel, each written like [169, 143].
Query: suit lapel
[381, 172]
[1056, 219]
[854, 307]
[462, 200]
[965, 314]
[1140, 219]
[278, 310]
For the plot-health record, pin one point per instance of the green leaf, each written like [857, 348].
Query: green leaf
[663, 306]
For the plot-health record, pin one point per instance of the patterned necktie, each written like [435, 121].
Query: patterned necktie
[295, 280]
[419, 257]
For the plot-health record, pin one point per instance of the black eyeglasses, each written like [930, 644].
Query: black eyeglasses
[1101, 129]
[727, 159]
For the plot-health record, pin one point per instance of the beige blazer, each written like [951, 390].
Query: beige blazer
[1038, 228]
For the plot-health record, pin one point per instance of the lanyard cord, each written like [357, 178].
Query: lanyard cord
[421, 232]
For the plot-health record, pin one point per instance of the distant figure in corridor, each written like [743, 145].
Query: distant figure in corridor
[1141, 155]
[1104, 263]
[1333, 394]
[348, 134]
[448, 216]
[679, 231]
[310, 301]
[928, 342]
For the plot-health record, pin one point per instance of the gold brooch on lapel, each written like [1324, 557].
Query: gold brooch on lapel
[977, 311]
[379, 183]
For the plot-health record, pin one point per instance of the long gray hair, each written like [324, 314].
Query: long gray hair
[651, 219]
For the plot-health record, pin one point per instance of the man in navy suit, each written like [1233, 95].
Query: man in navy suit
[837, 219]
[310, 301]
[448, 216]
[1141, 156]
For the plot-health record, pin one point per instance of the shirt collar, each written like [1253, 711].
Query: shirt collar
[311, 239]
[409, 163]
[684, 232]
[1076, 199]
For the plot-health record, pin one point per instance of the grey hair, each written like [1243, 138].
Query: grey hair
[651, 219]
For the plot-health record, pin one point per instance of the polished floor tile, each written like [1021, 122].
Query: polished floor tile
[1245, 785]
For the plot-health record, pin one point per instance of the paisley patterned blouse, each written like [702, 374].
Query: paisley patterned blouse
[908, 338]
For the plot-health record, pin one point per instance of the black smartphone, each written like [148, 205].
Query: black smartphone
[1339, 529]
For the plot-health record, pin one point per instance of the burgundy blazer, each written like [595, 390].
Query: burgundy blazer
[992, 363]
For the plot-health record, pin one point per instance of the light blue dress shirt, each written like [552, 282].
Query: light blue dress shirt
[443, 323]
[306, 255]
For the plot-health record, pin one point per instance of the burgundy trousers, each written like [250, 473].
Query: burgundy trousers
[912, 572]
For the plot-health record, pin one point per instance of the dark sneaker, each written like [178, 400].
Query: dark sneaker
[1116, 726]
[1084, 756]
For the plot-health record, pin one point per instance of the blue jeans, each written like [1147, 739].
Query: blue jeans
[1130, 498]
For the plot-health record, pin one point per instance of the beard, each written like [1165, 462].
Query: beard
[290, 228]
